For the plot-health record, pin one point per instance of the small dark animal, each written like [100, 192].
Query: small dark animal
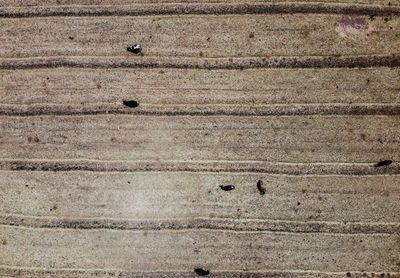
[261, 187]
[228, 187]
[131, 103]
[136, 48]
[201, 272]
[383, 163]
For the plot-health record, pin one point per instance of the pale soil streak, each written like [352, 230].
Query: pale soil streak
[185, 250]
[217, 224]
[164, 196]
[180, 91]
[69, 86]
[6, 271]
[133, 137]
[199, 36]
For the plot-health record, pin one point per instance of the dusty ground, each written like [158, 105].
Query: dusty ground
[301, 95]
